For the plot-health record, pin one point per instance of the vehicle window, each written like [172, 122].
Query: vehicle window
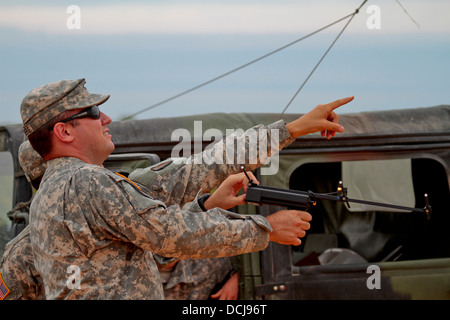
[6, 196]
[375, 234]
[387, 181]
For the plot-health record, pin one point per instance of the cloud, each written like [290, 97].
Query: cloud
[221, 18]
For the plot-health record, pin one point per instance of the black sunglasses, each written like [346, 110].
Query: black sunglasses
[91, 112]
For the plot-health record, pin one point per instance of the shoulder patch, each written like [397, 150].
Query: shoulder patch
[161, 165]
[4, 291]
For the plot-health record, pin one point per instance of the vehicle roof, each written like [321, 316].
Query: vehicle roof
[158, 131]
[417, 120]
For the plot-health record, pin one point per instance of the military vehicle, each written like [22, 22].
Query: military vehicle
[352, 251]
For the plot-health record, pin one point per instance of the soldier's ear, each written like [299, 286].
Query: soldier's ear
[63, 132]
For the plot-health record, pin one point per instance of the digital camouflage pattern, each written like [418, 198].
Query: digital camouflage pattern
[183, 177]
[32, 163]
[192, 279]
[195, 279]
[89, 220]
[108, 242]
[186, 279]
[189, 279]
[18, 272]
[17, 265]
[44, 103]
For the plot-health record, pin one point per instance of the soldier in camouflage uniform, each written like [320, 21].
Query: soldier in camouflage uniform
[191, 279]
[187, 279]
[17, 270]
[92, 230]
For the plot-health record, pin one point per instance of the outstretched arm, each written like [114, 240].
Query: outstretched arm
[322, 118]
[179, 182]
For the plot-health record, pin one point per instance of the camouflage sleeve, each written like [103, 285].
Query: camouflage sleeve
[176, 181]
[17, 270]
[194, 279]
[214, 233]
[121, 210]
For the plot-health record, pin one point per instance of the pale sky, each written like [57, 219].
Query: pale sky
[142, 52]
[220, 17]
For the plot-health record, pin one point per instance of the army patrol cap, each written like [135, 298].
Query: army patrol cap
[32, 163]
[46, 102]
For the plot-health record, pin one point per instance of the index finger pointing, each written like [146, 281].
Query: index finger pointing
[336, 104]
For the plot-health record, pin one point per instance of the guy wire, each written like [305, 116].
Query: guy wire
[242, 66]
[323, 56]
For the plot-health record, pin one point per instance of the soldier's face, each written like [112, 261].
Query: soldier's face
[94, 138]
